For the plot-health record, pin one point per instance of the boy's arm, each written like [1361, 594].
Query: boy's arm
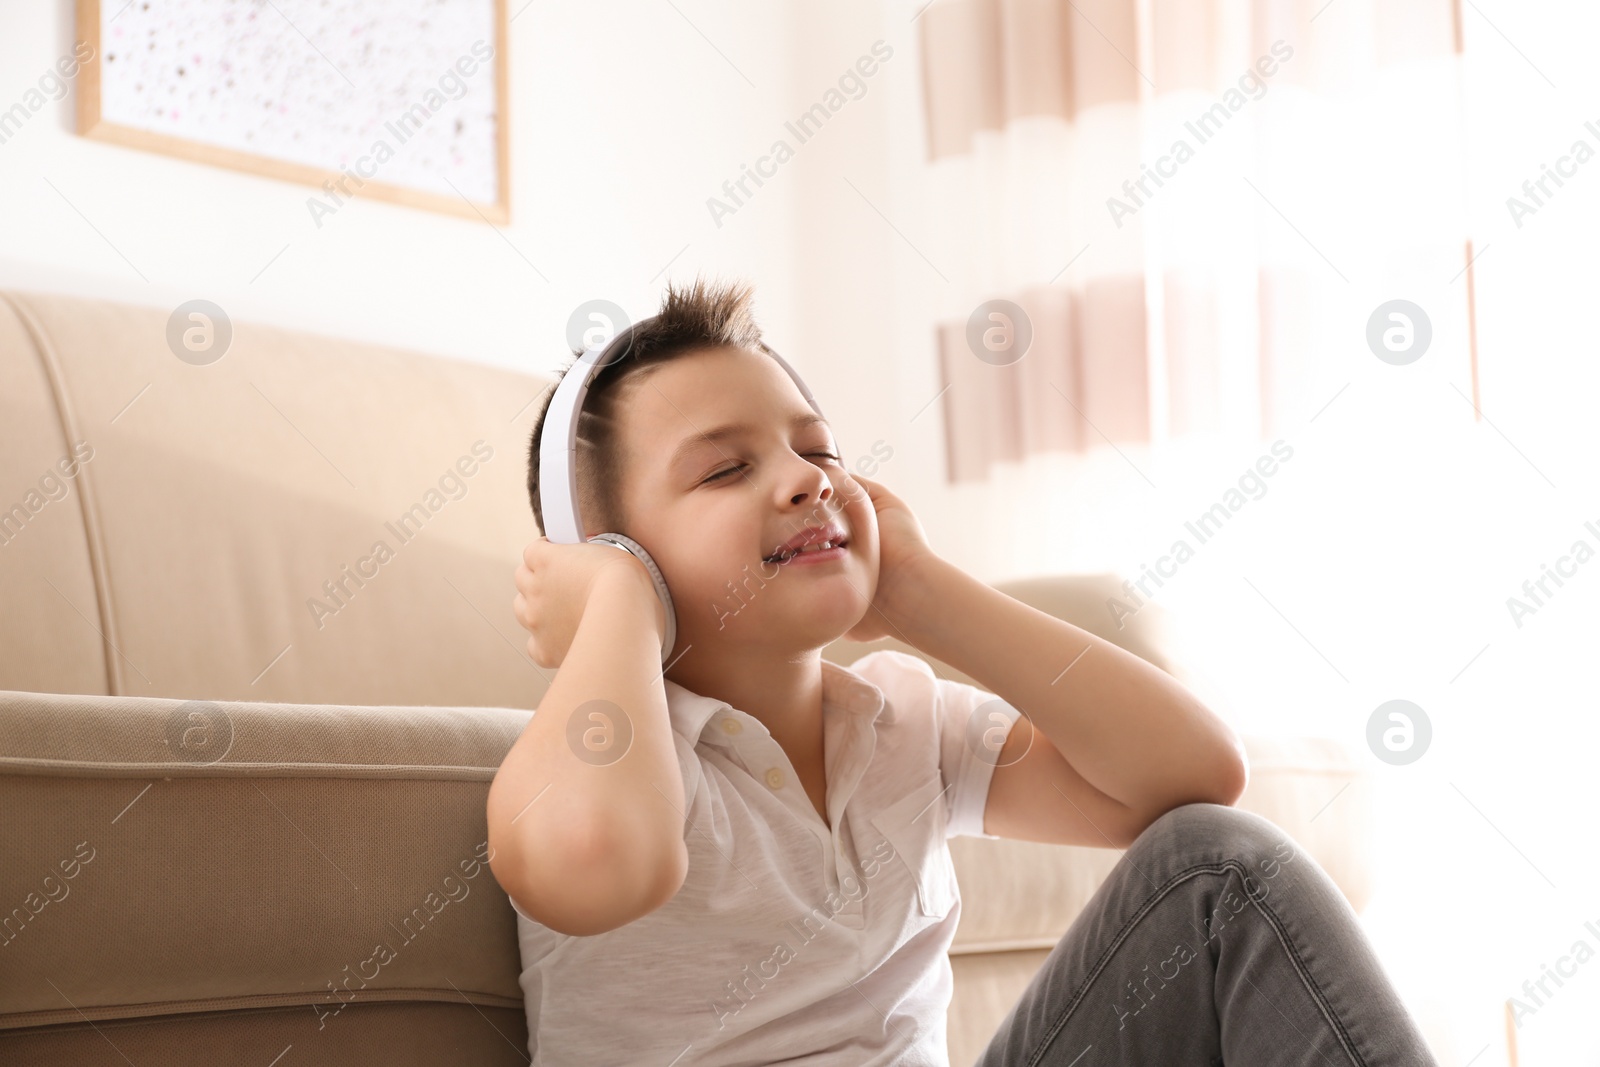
[586, 844]
[1118, 741]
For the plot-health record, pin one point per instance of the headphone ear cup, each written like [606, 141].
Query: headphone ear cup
[628, 544]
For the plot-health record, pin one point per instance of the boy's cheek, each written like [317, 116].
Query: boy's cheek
[864, 544]
[864, 522]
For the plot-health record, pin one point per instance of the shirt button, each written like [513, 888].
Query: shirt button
[775, 778]
[731, 726]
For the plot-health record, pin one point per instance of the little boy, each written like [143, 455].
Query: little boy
[743, 858]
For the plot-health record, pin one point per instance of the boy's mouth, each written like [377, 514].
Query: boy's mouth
[821, 546]
[810, 540]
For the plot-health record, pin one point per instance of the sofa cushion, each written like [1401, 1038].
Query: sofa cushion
[182, 856]
[169, 856]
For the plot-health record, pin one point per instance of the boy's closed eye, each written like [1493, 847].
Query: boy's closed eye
[740, 466]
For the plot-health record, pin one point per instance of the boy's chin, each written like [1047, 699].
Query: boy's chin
[800, 634]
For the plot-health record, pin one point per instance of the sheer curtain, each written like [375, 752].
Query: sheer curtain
[1171, 344]
[1186, 211]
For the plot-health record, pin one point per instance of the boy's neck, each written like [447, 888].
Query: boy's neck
[784, 694]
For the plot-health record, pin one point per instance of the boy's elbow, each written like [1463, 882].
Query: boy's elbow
[580, 886]
[1232, 774]
[1225, 773]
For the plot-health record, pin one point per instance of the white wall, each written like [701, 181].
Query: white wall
[624, 119]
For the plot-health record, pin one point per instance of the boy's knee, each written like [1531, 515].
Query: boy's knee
[1213, 832]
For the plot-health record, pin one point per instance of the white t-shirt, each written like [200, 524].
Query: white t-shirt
[790, 942]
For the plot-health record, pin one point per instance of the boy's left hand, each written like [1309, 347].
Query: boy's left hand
[902, 549]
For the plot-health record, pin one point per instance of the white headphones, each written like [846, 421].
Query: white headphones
[558, 461]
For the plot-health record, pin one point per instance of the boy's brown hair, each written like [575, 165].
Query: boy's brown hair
[701, 316]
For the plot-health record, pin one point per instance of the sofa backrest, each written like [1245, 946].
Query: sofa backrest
[305, 519]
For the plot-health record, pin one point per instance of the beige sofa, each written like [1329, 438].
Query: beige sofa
[244, 750]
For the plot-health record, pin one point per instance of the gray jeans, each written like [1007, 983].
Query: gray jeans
[1216, 940]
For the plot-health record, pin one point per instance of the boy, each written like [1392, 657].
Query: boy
[743, 859]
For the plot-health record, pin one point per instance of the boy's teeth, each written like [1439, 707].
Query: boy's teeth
[808, 548]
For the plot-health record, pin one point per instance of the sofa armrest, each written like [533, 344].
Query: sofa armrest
[1023, 894]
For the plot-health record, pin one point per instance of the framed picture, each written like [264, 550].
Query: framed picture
[399, 100]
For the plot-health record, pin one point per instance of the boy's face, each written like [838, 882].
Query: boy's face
[711, 512]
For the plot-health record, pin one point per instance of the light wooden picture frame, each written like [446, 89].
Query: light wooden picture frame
[390, 103]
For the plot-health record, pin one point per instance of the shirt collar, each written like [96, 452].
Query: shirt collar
[841, 688]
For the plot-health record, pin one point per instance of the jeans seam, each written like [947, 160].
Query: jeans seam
[1161, 893]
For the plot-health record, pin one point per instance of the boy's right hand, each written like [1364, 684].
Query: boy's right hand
[554, 584]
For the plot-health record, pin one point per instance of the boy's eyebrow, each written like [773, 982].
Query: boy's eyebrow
[733, 429]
